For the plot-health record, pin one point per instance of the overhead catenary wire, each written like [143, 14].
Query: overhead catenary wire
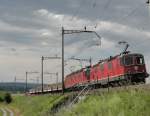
[122, 19]
[106, 6]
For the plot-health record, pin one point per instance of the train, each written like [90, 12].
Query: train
[121, 69]
[125, 68]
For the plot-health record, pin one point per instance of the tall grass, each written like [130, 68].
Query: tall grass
[2, 95]
[35, 105]
[124, 103]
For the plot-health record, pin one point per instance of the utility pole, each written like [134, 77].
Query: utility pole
[42, 59]
[71, 32]
[27, 79]
[15, 83]
[57, 80]
[42, 68]
[63, 87]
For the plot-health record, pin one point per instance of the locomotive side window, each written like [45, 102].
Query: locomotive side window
[128, 60]
[96, 69]
[121, 61]
[101, 67]
[110, 65]
[139, 60]
[87, 73]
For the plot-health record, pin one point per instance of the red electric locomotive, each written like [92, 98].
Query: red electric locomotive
[123, 68]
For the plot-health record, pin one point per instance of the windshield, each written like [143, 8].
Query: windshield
[128, 60]
[140, 60]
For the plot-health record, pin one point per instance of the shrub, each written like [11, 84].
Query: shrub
[7, 98]
[1, 99]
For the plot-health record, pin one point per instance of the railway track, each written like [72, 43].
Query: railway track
[93, 90]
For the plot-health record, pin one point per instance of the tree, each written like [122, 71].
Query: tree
[7, 98]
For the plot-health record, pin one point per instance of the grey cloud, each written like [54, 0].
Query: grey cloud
[29, 34]
[13, 49]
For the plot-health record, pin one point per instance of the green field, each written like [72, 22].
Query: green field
[35, 105]
[123, 103]
[2, 94]
[1, 113]
[39, 105]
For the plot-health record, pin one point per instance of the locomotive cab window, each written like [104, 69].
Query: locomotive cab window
[140, 60]
[128, 60]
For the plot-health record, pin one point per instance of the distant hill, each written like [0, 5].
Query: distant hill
[13, 87]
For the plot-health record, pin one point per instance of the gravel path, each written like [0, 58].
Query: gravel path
[10, 112]
[3, 111]
[7, 112]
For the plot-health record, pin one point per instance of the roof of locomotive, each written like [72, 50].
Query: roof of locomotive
[80, 70]
[117, 56]
[133, 54]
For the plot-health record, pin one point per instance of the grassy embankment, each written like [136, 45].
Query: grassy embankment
[34, 105]
[31, 105]
[1, 113]
[132, 102]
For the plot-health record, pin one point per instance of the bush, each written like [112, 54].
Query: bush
[1, 99]
[7, 98]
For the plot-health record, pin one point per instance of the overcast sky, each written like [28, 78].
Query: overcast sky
[32, 28]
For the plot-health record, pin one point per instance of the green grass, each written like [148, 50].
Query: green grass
[2, 94]
[1, 113]
[34, 105]
[123, 103]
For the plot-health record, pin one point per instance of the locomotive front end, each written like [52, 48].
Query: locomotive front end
[134, 67]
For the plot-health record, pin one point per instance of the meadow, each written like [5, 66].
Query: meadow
[133, 102]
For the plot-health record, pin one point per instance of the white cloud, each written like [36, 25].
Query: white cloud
[44, 43]
[46, 33]
[42, 12]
